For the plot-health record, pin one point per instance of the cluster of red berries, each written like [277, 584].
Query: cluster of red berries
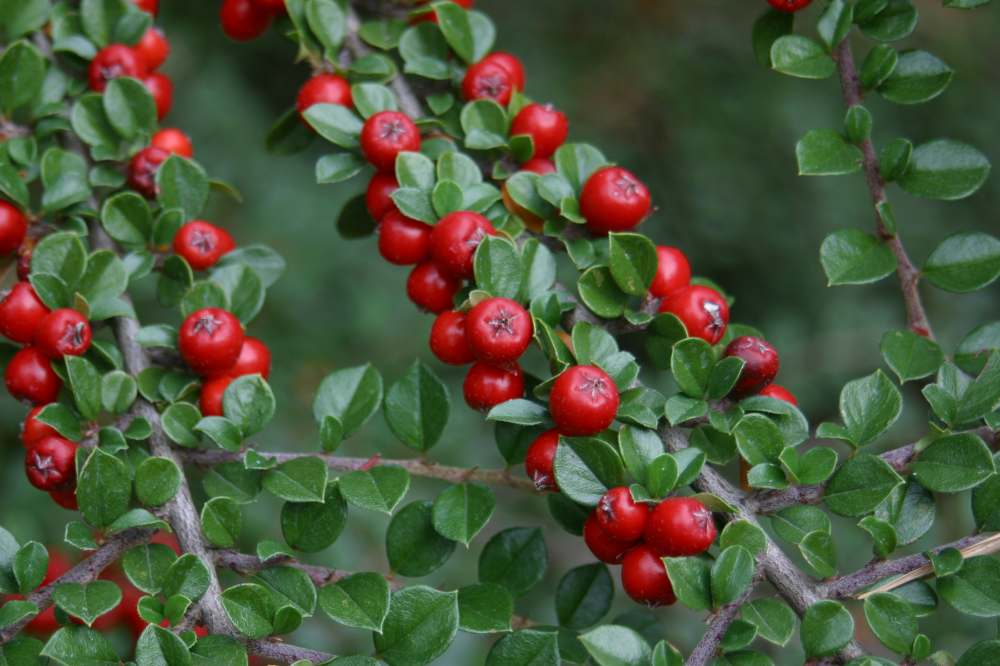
[789, 5]
[144, 164]
[243, 20]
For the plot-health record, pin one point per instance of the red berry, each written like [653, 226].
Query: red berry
[50, 463]
[142, 170]
[789, 5]
[511, 63]
[29, 376]
[621, 516]
[680, 527]
[604, 546]
[33, 430]
[254, 359]
[644, 577]
[539, 459]
[202, 244]
[162, 89]
[152, 49]
[387, 134]
[378, 196]
[613, 199]
[45, 622]
[210, 341]
[65, 498]
[431, 15]
[455, 238]
[173, 140]
[761, 364]
[486, 386]
[212, 391]
[403, 241]
[113, 61]
[63, 332]
[779, 393]
[499, 330]
[583, 401]
[13, 228]
[431, 289]
[323, 89]
[273, 6]
[539, 165]
[546, 125]
[672, 271]
[448, 340]
[244, 20]
[149, 6]
[21, 313]
[488, 80]
[702, 310]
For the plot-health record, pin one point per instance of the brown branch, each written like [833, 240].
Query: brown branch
[718, 624]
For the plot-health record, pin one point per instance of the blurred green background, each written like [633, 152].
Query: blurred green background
[669, 89]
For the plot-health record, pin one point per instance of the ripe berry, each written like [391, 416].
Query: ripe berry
[645, 579]
[210, 340]
[539, 165]
[323, 89]
[403, 241]
[152, 49]
[448, 341]
[672, 271]
[604, 546]
[212, 391]
[613, 199]
[254, 359]
[431, 15]
[162, 89]
[583, 401]
[539, 459]
[142, 170]
[789, 5]
[174, 141]
[63, 332]
[702, 310]
[243, 20]
[21, 312]
[111, 62]
[780, 393]
[486, 386]
[378, 196]
[13, 228]
[621, 516]
[455, 238]
[65, 498]
[29, 376]
[202, 244]
[50, 463]
[149, 6]
[761, 364]
[431, 289]
[679, 527]
[488, 80]
[33, 430]
[511, 63]
[546, 126]
[387, 134]
[499, 330]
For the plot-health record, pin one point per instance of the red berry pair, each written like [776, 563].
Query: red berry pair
[496, 77]
[202, 244]
[139, 62]
[254, 359]
[144, 164]
[243, 20]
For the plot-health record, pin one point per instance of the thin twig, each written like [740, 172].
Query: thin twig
[707, 648]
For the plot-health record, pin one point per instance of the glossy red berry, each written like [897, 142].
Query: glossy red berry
[761, 364]
[378, 196]
[387, 134]
[29, 376]
[539, 460]
[488, 80]
[162, 89]
[210, 341]
[621, 516]
[486, 386]
[789, 5]
[454, 240]
[604, 546]
[152, 49]
[583, 401]
[21, 312]
[546, 125]
[702, 310]
[173, 141]
[672, 271]
[63, 332]
[142, 170]
[202, 244]
[323, 89]
[779, 393]
[50, 463]
[680, 527]
[149, 6]
[33, 430]
[254, 359]
[13, 228]
[644, 577]
[499, 330]
[65, 498]
[613, 199]
[111, 62]
[511, 63]
[243, 20]
[432, 289]
[403, 241]
[448, 341]
[539, 165]
[212, 391]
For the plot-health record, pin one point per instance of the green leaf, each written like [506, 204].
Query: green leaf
[878, 66]
[954, 463]
[600, 293]
[485, 124]
[774, 620]
[519, 412]
[975, 589]
[794, 523]
[421, 624]
[801, 56]
[61, 254]
[515, 558]
[250, 608]
[187, 576]
[328, 23]
[850, 256]
[724, 375]
[824, 152]
[425, 51]
[731, 574]
[986, 503]
[910, 509]
[771, 25]
[146, 566]
[584, 596]
[335, 123]
[23, 17]
[462, 511]
[632, 261]
[585, 468]
[156, 481]
[691, 579]
[691, 364]
[893, 23]
[338, 167]
[87, 601]
[454, 23]
[964, 262]
[860, 485]
[615, 645]
[743, 533]
[909, 355]
[30, 566]
[157, 645]
[826, 627]
[298, 480]
[313, 526]
[639, 448]
[945, 169]
[182, 183]
[178, 421]
[129, 107]
[221, 520]
[413, 546]
[882, 533]
[498, 268]
[73, 645]
[818, 551]
[835, 22]
[22, 72]
[378, 489]
[249, 403]
[758, 439]
[360, 600]
[104, 488]
[982, 396]
[351, 396]
[869, 406]
[918, 77]
[485, 608]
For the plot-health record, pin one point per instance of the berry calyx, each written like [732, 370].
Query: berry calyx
[202, 244]
[152, 48]
[142, 170]
[13, 228]
[111, 62]
[254, 359]
[210, 341]
[29, 376]
[385, 135]
[499, 330]
[547, 127]
[702, 310]
[403, 241]
[486, 386]
[779, 393]
[488, 80]
[511, 63]
[212, 391]
[173, 141]
[539, 165]
[621, 516]
[432, 289]
[761, 364]
[378, 196]
[583, 401]
[33, 430]
[789, 5]
[162, 89]
[448, 341]
[605, 547]
[63, 332]
[613, 199]
[50, 463]
[673, 271]
[454, 240]
[243, 20]
[680, 527]
[644, 577]
[323, 89]
[539, 460]
[21, 313]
